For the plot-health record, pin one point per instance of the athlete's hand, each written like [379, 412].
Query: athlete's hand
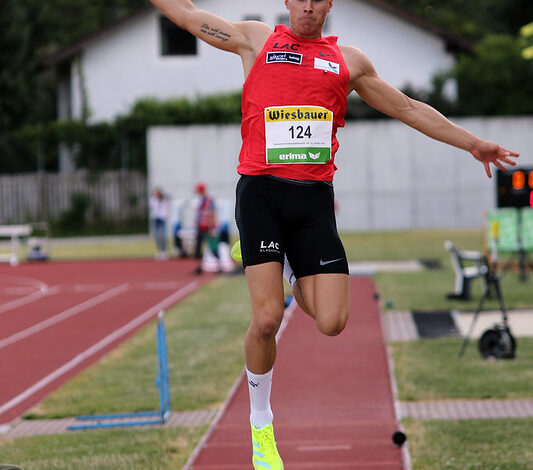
[490, 152]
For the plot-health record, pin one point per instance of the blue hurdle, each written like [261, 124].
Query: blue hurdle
[161, 382]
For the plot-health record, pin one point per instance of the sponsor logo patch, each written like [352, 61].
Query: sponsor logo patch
[284, 57]
[269, 247]
[327, 66]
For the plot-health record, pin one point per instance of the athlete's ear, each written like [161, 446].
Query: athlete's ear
[287, 4]
[330, 5]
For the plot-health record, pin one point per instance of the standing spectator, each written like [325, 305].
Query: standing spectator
[158, 219]
[205, 224]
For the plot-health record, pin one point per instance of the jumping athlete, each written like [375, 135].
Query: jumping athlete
[294, 99]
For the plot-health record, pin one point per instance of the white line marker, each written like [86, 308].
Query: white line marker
[324, 448]
[42, 292]
[70, 312]
[147, 315]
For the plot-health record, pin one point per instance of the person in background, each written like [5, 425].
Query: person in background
[206, 224]
[158, 220]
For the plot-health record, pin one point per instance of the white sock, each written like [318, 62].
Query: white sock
[259, 387]
[288, 275]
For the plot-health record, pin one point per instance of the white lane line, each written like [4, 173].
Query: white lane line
[143, 317]
[18, 290]
[70, 312]
[42, 292]
[324, 448]
[24, 280]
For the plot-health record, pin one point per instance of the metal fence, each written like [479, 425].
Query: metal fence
[113, 195]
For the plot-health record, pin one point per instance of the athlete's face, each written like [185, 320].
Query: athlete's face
[307, 17]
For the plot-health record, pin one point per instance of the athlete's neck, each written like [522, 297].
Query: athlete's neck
[314, 35]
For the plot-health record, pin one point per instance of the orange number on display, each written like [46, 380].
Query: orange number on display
[519, 180]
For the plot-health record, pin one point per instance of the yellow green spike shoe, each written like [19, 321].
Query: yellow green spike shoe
[265, 453]
[236, 252]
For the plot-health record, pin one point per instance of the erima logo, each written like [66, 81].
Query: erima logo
[293, 156]
[252, 384]
[314, 156]
[321, 54]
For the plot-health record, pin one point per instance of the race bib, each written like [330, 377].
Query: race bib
[298, 134]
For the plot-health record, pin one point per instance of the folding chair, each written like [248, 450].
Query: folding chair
[465, 274]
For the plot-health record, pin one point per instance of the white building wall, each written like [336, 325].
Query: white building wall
[390, 176]
[125, 64]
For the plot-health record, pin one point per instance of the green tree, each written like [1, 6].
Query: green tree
[496, 80]
[31, 29]
[472, 18]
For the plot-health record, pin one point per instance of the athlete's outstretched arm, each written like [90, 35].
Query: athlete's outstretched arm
[240, 38]
[387, 99]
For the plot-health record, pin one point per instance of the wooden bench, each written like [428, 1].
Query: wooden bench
[16, 233]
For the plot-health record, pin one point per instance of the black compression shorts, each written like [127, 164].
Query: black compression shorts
[276, 216]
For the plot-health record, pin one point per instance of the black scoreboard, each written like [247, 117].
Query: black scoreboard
[515, 187]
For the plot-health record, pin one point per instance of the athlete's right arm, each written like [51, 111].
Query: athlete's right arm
[240, 38]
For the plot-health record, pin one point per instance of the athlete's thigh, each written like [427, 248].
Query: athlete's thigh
[258, 220]
[328, 298]
[312, 242]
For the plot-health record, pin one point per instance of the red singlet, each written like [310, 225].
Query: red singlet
[293, 101]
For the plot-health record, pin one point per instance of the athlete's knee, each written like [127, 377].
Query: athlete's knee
[332, 324]
[266, 322]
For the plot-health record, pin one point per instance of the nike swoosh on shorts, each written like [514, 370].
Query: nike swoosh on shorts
[324, 263]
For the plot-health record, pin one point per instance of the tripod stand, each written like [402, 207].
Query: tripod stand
[498, 342]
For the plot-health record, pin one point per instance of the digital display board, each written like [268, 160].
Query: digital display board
[515, 187]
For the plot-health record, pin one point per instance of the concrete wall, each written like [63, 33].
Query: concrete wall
[390, 176]
[126, 64]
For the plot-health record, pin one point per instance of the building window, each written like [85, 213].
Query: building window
[252, 18]
[174, 40]
[283, 19]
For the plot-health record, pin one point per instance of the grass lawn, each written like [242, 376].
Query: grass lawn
[115, 247]
[428, 369]
[503, 444]
[126, 449]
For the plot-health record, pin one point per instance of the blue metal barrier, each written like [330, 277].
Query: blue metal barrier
[161, 382]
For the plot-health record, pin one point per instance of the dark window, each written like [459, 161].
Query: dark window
[283, 19]
[252, 18]
[174, 40]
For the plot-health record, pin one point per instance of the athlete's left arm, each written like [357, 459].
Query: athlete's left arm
[387, 99]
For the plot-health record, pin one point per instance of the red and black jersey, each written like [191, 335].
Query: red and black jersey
[293, 75]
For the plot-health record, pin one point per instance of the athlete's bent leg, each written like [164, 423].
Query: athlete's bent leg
[326, 298]
[265, 285]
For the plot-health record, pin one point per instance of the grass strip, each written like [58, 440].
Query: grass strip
[117, 449]
[205, 337]
[427, 290]
[429, 369]
[503, 444]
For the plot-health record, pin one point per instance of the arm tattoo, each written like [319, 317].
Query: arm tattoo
[215, 32]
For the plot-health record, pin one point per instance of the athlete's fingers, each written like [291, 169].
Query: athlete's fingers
[510, 153]
[487, 169]
[508, 161]
[500, 165]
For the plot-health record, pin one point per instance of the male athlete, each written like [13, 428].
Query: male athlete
[294, 99]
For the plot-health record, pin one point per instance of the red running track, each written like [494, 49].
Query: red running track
[57, 318]
[332, 399]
